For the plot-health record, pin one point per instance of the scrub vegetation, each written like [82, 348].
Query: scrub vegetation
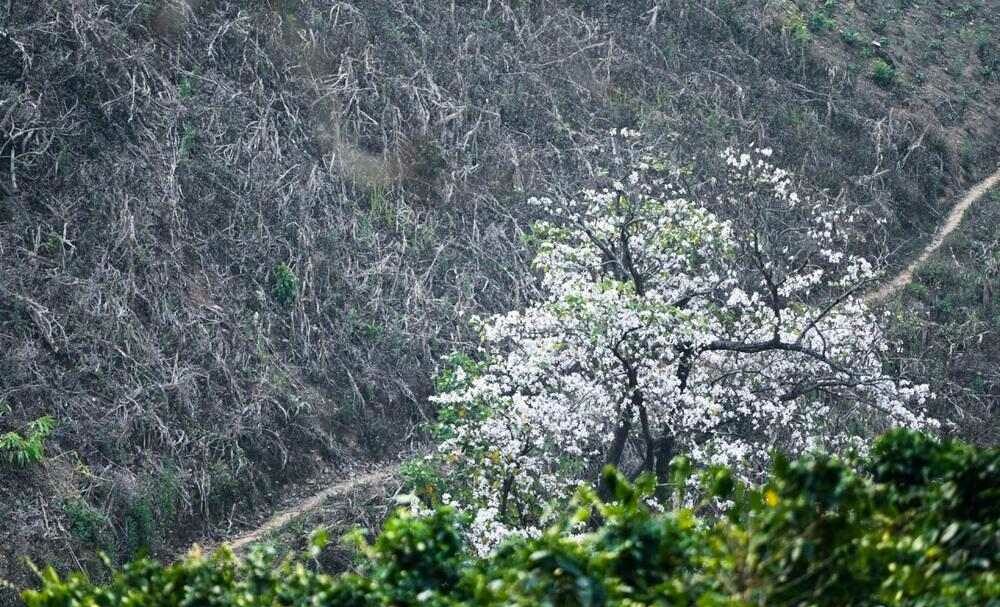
[241, 243]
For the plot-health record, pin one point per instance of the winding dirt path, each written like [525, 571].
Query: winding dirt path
[951, 222]
[384, 474]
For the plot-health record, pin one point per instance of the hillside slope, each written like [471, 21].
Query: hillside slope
[952, 222]
[236, 237]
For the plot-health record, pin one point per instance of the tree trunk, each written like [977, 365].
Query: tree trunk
[508, 484]
[664, 454]
[614, 457]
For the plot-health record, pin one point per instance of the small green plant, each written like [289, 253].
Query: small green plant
[989, 54]
[819, 22]
[53, 245]
[139, 527]
[939, 275]
[422, 478]
[185, 89]
[285, 288]
[795, 25]
[188, 140]
[380, 206]
[850, 37]
[88, 524]
[882, 73]
[373, 330]
[23, 450]
[918, 291]
[881, 24]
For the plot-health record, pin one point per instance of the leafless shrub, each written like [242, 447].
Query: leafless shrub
[159, 160]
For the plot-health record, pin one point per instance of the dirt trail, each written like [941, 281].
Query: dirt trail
[951, 222]
[386, 473]
[383, 474]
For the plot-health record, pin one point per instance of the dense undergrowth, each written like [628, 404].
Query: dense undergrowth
[236, 238]
[949, 322]
[914, 523]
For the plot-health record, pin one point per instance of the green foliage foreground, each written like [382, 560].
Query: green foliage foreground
[913, 523]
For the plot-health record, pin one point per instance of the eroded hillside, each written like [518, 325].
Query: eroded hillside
[235, 238]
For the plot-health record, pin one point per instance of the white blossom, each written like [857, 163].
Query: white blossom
[665, 320]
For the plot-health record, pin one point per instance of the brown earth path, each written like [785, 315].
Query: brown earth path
[385, 473]
[381, 474]
[951, 223]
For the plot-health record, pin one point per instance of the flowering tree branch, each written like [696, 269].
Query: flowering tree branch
[664, 329]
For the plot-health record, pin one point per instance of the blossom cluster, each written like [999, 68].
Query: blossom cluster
[667, 330]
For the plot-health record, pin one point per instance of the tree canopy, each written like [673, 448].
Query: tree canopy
[720, 330]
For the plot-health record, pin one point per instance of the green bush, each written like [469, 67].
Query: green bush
[915, 523]
[796, 26]
[819, 22]
[22, 450]
[882, 73]
[285, 285]
[918, 291]
[89, 524]
[939, 274]
[139, 526]
[422, 478]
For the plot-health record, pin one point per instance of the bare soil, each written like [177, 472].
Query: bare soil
[951, 223]
[375, 476]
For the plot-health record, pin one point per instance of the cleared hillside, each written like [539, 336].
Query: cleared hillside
[235, 238]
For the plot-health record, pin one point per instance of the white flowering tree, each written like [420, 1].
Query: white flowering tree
[667, 331]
